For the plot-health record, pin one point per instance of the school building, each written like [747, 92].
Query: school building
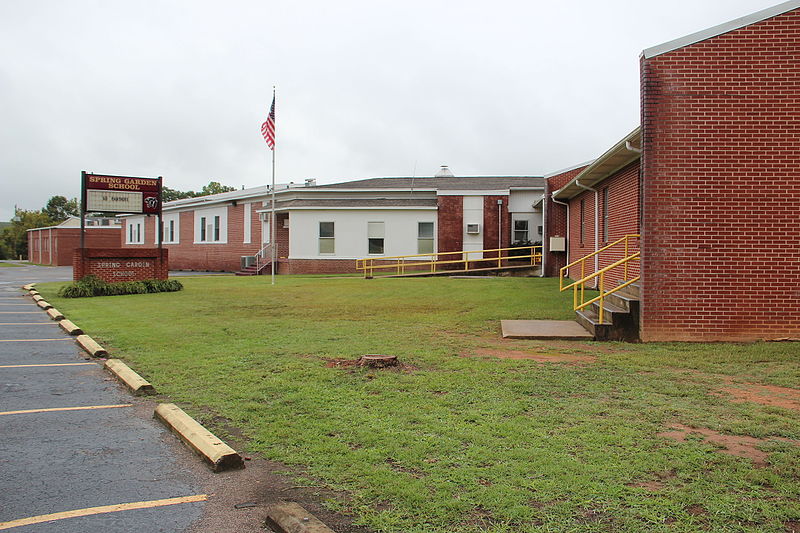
[54, 245]
[698, 208]
[325, 228]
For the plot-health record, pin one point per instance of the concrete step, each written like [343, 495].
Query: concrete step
[631, 291]
[544, 330]
[589, 320]
[622, 300]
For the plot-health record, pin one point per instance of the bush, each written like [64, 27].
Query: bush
[94, 286]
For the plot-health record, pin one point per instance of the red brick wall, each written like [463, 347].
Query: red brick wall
[721, 186]
[56, 246]
[556, 220]
[116, 264]
[450, 222]
[186, 255]
[490, 215]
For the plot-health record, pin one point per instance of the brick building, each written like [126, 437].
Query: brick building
[54, 245]
[710, 181]
[325, 228]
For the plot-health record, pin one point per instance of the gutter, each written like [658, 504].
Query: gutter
[596, 221]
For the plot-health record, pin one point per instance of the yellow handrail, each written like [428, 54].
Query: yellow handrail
[579, 287]
[401, 262]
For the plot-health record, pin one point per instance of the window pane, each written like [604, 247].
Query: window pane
[375, 230]
[216, 228]
[376, 246]
[326, 229]
[425, 246]
[326, 245]
[425, 231]
[521, 225]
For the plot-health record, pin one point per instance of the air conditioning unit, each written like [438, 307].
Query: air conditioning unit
[473, 229]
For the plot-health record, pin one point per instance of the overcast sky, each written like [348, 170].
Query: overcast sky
[368, 88]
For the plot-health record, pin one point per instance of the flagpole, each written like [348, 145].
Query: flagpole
[272, 215]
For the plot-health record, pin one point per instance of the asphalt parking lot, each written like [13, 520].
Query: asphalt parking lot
[78, 453]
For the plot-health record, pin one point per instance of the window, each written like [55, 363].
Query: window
[583, 206]
[521, 231]
[135, 233]
[326, 238]
[375, 236]
[425, 237]
[169, 230]
[605, 214]
[210, 225]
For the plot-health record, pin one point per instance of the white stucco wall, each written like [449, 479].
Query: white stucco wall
[350, 229]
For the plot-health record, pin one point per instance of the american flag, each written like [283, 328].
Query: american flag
[268, 127]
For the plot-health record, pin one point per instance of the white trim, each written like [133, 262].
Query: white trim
[469, 192]
[569, 169]
[364, 208]
[726, 27]
[248, 222]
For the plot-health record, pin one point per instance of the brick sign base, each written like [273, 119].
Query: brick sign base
[120, 264]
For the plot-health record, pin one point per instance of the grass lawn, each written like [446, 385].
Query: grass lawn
[475, 433]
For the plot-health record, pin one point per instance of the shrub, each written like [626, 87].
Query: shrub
[94, 286]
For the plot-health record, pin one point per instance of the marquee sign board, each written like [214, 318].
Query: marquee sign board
[121, 194]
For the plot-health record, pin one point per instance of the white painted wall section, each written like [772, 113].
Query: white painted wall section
[351, 232]
[473, 214]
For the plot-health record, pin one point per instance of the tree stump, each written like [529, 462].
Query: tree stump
[377, 360]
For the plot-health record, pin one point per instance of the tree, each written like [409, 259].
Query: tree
[15, 237]
[59, 209]
[213, 187]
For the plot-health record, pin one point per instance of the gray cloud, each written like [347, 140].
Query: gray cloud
[365, 88]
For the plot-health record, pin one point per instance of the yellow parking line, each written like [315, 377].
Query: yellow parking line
[47, 364]
[89, 511]
[35, 340]
[53, 409]
[23, 323]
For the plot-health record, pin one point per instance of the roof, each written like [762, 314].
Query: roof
[367, 203]
[708, 33]
[442, 183]
[618, 157]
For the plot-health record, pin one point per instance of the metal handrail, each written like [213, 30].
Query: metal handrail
[579, 287]
[400, 262]
[262, 254]
[582, 260]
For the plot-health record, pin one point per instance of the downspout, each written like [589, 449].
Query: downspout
[544, 233]
[565, 204]
[499, 226]
[596, 222]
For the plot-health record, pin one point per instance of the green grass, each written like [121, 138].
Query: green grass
[455, 443]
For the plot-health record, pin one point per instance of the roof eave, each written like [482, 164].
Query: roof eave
[720, 29]
[615, 159]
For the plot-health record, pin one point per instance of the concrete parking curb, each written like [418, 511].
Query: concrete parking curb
[219, 455]
[136, 383]
[44, 305]
[55, 314]
[29, 286]
[37, 297]
[289, 517]
[91, 347]
[70, 327]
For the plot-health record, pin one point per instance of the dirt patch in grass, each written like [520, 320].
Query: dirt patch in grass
[540, 357]
[353, 364]
[763, 394]
[737, 445]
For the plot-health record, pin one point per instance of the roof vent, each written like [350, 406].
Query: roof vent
[311, 182]
[444, 172]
